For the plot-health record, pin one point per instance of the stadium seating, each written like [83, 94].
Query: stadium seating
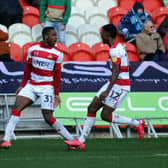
[151, 4]
[30, 16]
[115, 14]
[80, 52]
[64, 49]
[159, 14]
[15, 52]
[3, 28]
[71, 35]
[84, 4]
[37, 33]
[96, 15]
[100, 52]
[131, 51]
[126, 4]
[20, 34]
[106, 4]
[119, 38]
[89, 34]
[77, 17]
[73, 2]
[25, 50]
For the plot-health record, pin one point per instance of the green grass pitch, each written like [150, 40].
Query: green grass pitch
[99, 153]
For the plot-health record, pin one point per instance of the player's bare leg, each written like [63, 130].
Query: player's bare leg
[107, 115]
[20, 103]
[95, 105]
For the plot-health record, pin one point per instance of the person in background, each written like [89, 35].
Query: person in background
[149, 44]
[163, 31]
[55, 13]
[131, 24]
[34, 3]
[4, 47]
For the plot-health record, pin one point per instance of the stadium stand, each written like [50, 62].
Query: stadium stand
[131, 51]
[115, 14]
[80, 52]
[77, 17]
[15, 52]
[106, 4]
[20, 34]
[100, 52]
[89, 34]
[64, 49]
[73, 2]
[119, 38]
[159, 14]
[37, 33]
[96, 15]
[84, 4]
[151, 4]
[71, 35]
[25, 50]
[125, 4]
[30, 16]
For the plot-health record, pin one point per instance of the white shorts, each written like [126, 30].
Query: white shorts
[115, 96]
[45, 93]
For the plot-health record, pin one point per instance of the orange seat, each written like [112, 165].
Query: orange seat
[25, 50]
[151, 4]
[80, 52]
[100, 52]
[131, 51]
[159, 15]
[125, 4]
[115, 14]
[30, 16]
[64, 49]
[119, 38]
[15, 52]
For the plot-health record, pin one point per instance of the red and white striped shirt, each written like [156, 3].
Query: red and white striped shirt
[118, 55]
[45, 65]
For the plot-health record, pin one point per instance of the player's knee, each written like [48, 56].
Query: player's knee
[104, 116]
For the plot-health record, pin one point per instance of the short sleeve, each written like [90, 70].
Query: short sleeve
[115, 56]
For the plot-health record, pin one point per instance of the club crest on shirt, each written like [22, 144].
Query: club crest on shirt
[50, 56]
[114, 59]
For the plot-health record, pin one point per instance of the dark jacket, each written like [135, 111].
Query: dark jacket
[131, 24]
[163, 28]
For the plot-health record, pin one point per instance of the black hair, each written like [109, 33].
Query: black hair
[111, 29]
[138, 5]
[47, 30]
